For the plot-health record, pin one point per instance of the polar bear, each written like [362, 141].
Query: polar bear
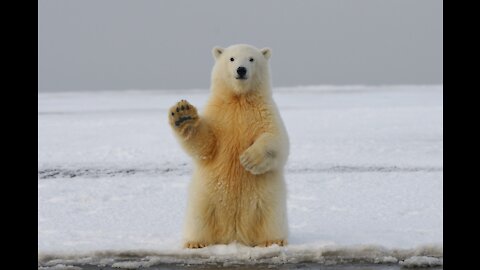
[239, 145]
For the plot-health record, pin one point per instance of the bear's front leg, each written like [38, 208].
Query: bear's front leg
[194, 133]
[261, 156]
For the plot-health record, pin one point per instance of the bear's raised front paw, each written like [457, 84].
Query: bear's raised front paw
[256, 161]
[182, 113]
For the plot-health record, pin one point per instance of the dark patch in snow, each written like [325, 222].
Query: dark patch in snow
[183, 169]
[61, 172]
[110, 111]
[361, 169]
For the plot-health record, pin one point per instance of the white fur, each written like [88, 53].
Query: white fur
[238, 191]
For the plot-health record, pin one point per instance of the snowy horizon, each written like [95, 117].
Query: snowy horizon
[274, 87]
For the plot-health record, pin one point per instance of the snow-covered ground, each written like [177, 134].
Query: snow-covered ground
[364, 178]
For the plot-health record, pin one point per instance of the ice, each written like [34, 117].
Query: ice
[421, 261]
[364, 178]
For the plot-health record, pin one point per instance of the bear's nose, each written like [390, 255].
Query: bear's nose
[241, 71]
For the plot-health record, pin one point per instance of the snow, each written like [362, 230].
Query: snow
[364, 178]
[421, 261]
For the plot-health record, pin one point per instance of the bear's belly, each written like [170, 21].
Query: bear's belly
[239, 202]
[234, 191]
[226, 167]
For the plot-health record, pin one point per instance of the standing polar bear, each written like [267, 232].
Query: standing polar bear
[240, 146]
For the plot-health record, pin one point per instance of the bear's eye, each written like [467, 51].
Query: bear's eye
[231, 59]
[251, 59]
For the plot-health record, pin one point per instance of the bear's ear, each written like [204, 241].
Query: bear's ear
[267, 52]
[217, 51]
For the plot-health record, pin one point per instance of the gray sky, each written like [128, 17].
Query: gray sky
[118, 44]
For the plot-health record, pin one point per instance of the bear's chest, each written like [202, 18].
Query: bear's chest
[237, 127]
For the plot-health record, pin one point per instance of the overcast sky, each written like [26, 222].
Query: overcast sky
[117, 44]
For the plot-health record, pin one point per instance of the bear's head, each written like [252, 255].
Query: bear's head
[242, 68]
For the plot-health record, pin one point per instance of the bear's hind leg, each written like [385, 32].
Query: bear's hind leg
[208, 230]
[197, 235]
[263, 228]
[264, 219]
[206, 224]
[197, 230]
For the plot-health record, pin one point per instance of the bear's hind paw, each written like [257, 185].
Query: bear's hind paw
[272, 242]
[192, 244]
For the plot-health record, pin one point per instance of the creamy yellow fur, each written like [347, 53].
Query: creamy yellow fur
[239, 145]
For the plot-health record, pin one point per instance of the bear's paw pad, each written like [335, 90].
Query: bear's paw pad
[182, 112]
